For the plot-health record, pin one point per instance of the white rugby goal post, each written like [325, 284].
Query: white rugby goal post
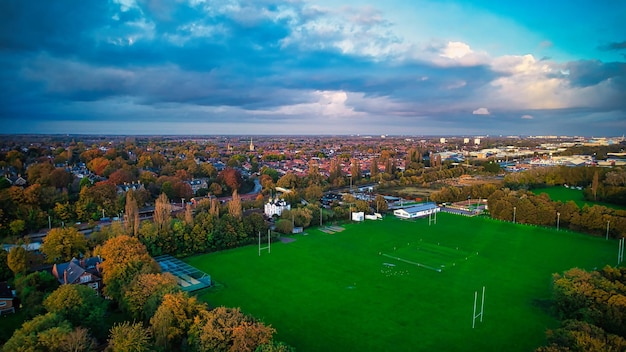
[482, 308]
[269, 243]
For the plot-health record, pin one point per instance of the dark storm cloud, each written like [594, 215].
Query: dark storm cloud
[55, 26]
[586, 73]
[237, 61]
[614, 46]
[162, 60]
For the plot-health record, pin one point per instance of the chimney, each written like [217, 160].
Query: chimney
[65, 276]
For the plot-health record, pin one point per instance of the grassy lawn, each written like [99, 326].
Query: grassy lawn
[397, 285]
[408, 191]
[562, 194]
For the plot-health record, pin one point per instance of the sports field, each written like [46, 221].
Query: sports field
[562, 194]
[395, 285]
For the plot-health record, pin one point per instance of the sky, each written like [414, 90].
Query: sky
[318, 67]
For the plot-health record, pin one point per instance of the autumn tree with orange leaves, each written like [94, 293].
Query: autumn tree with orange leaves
[124, 258]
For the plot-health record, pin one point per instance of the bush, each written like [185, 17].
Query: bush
[284, 226]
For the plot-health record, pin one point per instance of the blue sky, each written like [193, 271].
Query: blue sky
[313, 67]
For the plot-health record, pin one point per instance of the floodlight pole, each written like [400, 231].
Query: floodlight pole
[269, 242]
[607, 229]
[259, 243]
[620, 251]
[514, 210]
[321, 216]
[558, 218]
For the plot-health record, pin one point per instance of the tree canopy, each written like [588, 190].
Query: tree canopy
[124, 258]
[78, 304]
[63, 244]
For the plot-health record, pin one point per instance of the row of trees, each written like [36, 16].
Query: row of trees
[529, 208]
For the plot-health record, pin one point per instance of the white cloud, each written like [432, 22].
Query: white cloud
[323, 103]
[456, 50]
[527, 117]
[481, 111]
[126, 5]
[454, 54]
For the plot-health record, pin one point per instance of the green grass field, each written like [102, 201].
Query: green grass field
[346, 291]
[562, 194]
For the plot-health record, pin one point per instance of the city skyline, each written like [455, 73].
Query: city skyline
[313, 67]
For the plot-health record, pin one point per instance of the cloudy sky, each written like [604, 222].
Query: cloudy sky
[410, 67]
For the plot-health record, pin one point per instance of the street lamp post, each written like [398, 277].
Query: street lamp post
[514, 210]
[607, 229]
[558, 219]
[321, 216]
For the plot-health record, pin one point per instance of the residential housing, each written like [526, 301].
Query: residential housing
[7, 299]
[80, 272]
[276, 206]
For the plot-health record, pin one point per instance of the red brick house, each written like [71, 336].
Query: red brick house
[80, 272]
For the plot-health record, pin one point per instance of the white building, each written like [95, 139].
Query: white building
[477, 141]
[416, 211]
[358, 216]
[465, 140]
[442, 140]
[276, 207]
